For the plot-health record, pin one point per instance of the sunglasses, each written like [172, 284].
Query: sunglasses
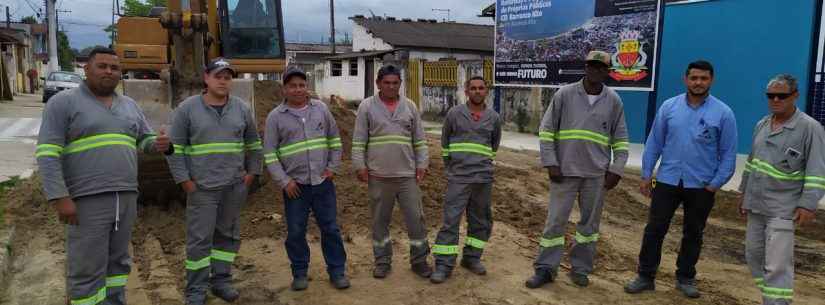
[781, 96]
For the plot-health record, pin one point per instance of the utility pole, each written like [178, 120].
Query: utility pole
[8, 17]
[51, 15]
[112, 37]
[331, 24]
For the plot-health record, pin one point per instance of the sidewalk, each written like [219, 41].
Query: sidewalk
[526, 141]
[19, 126]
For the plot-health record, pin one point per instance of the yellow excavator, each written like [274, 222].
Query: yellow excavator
[163, 58]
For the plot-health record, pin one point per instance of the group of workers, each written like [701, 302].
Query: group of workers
[89, 138]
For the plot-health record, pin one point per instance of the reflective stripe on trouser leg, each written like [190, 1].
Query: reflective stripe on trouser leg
[755, 240]
[88, 245]
[562, 197]
[227, 237]
[120, 263]
[591, 201]
[445, 249]
[382, 193]
[201, 215]
[779, 266]
[409, 198]
[479, 220]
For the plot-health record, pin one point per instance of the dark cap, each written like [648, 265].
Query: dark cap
[219, 64]
[293, 72]
[388, 70]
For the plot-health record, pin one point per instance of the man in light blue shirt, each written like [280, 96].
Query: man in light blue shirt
[694, 138]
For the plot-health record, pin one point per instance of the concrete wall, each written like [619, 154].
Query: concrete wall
[349, 87]
[361, 40]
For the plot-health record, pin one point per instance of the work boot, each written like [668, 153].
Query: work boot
[422, 269]
[541, 277]
[440, 275]
[688, 287]
[228, 293]
[381, 270]
[195, 299]
[580, 279]
[340, 282]
[640, 284]
[299, 283]
[474, 265]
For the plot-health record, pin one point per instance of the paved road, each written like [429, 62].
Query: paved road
[19, 126]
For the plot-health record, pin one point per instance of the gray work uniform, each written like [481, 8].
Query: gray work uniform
[88, 152]
[585, 141]
[289, 135]
[785, 171]
[468, 147]
[392, 145]
[215, 151]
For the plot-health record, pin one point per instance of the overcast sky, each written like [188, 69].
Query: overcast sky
[304, 20]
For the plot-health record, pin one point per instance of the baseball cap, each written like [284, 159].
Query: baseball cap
[600, 56]
[219, 64]
[293, 72]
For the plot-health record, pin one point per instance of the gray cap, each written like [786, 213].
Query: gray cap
[292, 72]
[219, 64]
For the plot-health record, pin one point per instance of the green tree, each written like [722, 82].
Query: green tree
[141, 8]
[65, 56]
[29, 20]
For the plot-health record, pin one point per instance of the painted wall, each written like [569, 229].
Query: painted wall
[361, 40]
[349, 87]
[747, 41]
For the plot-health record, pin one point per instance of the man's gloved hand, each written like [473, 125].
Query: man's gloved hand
[611, 180]
[555, 174]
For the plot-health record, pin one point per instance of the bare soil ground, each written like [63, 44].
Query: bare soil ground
[520, 205]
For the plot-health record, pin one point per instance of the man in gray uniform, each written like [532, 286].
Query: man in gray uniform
[784, 179]
[302, 149]
[87, 155]
[469, 141]
[389, 152]
[217, 155]
[583, 126]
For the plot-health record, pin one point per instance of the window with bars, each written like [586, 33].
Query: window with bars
[335, 68]
[353, 67]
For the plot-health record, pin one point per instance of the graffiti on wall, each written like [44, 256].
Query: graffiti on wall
[436, 101]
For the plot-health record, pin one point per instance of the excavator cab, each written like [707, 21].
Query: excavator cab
[250, 29]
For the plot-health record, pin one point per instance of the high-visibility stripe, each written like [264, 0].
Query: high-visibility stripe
[199, 264]
[760, 282]
[397, 138]
[547, 136]
[334, 142]
[117, 280]
[215, 148]
[48, 150]
[815, 185]
[767, 169]
[270, 158]
[385, 142]
[621, 145]
[552, 242]
[583, 239]
[303, 149]
[445, 152]
[300, 145]
[581, 134]
[777, 293]
[223, 255]
[146, 141]
[358, 145]
[98, 297]
[815, 179]
[474, 148]
[102, 140]
[445, 249]
[475, 242]
[179, 149]
[254, 145]
[420, 144]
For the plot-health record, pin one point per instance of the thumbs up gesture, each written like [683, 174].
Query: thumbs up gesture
[162, 141]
